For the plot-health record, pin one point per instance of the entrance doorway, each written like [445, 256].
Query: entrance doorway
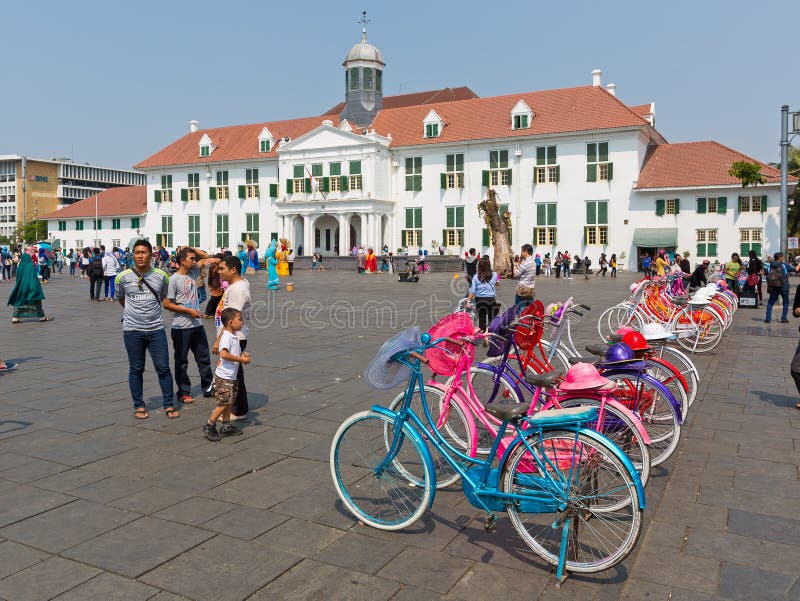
[326, 235]
[652, 251]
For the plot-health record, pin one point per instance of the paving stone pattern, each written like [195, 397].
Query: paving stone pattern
[97, 505]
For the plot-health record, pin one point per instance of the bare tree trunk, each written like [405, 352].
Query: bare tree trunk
[497, 225]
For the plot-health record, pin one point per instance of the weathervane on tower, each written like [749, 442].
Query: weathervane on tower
[363, 20]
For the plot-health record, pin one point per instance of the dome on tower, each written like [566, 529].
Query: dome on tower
[363, 51]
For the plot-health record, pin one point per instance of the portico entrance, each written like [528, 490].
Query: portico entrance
[326, 235]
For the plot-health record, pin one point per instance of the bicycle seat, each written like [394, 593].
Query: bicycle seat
[615, 338]
[507, 413]
[699, 301]
[543, 380]
[680, 301]
[563, 417]
[597, 349]
[592, 360]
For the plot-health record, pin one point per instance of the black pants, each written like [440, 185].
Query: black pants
[211, 305]
[291, 267]
[487, 309]
[240, 405]
[95, 282]
[183, 341]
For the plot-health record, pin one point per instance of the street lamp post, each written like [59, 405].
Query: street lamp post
[784, 177]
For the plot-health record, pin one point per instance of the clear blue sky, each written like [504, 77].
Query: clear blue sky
[111, 82]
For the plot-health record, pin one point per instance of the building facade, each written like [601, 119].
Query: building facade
[576, 168]
[31, 188]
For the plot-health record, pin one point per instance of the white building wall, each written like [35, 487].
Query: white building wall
[77, 239]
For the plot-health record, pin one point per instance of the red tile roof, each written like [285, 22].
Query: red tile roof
[393, 102]
[555, 111]
[642, 110]
[691, 164]
[114, 202]
[233, 143]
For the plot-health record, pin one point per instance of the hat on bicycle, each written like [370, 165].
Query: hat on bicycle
[636, 341]
[618, 353]
[582, 376]
[655, 331]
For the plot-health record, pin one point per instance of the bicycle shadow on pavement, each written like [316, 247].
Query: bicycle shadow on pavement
[10, 425]
[779, 400]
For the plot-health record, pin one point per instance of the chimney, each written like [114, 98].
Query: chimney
[193, 125]
[596, 76]
[612, 89]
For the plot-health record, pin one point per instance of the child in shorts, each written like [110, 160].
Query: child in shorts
[230, 355]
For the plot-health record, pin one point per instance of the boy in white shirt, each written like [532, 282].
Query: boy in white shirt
[230, 356]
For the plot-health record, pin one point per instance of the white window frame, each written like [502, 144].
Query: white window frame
[454, 178]
[166, 188]
[670, 205]
[251, 183]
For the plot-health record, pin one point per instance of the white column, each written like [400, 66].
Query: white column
[362, 229]
[344, 235]
[308, 236]
[282, 231]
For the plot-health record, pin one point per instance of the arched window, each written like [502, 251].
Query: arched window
[355, 83]
[368, 84]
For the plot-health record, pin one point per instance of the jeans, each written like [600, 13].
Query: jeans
[155, 342]
[521, 302]
[7, 272]
[95, 282]
[184, 340]
[240, 406]
[72, 267]
[565, 271]
[773, 296]
[487, 309]
[109, 285]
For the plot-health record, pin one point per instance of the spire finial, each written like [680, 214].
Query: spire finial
[363, 20]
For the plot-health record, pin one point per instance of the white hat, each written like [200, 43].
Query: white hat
[655, 331]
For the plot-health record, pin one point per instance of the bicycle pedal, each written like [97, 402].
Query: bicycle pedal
[490, 524]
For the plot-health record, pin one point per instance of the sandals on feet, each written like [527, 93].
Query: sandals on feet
[172, 413]
[141, 413]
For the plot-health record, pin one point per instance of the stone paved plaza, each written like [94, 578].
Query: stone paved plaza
[95, 505]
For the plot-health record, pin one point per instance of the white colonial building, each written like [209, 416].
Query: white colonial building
[577, 169]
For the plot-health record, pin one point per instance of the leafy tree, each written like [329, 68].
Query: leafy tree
[33, 231]
[498, 226]
[793, 222]
[5, 240]
[748, 173]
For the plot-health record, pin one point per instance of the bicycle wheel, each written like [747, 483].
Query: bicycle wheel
[614, 318]
[684, 365]
[483, 383]
[653, 405]
[705, 329]
[667, 375]
[376, 491]
[455, 428]
[619, 429]
[588, 478]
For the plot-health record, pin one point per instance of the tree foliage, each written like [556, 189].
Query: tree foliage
[33, 231]
[748, 173]
[498, 226]
[793, 221]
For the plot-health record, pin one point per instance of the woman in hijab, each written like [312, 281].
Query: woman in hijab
[27, 295]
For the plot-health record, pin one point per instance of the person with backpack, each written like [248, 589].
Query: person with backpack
[778, 285]
[603, 265]
[96, 273]
[587, 262]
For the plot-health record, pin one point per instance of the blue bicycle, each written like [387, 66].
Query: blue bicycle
[571, 494]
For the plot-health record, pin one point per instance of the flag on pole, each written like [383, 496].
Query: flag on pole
[314, 182]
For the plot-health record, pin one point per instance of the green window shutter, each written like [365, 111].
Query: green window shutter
[602, 149]
[660, 206]
[418, 183]
[712, 249]
[523, 120]
[212, 193]
[184, 194]
[677, 206]
[289, 186]
[459, 216]
[326, 184]
[756, 247]
[409, 183]
[418, 218]
[591, 173]
[586, 234]
[744, 248]
[764, 204]
[158, 196]
[591, 153]
[344, 182]
[485, 240]
[541, 214]
[307, 185]
[444, 237]
[485, 179]
[509, 176]
[451, 216]
[701, 249]
[298, 171]
[551, 155]
[740, 204]
[335, 168]
[722, 204]
[602, 213]
[701, 205]
[355, 167]
[443, 180]
[403, 238]
[541, 155]
[610, 171]
[558, 173]
[273, 190]
[551, 214]
[316, 169]
[591, 213]
[409, 218]
[242, 191]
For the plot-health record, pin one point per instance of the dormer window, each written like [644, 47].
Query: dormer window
[206, 146]
[266, 141]
[521, 116]
[433, 125]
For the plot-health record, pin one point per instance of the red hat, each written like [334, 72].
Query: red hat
[636, 341]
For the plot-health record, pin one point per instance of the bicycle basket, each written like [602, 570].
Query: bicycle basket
[384, 371]
[529, 332]
[500, 330]
[444, 357]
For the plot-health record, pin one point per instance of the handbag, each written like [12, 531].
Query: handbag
[525, 291]
[752, 280]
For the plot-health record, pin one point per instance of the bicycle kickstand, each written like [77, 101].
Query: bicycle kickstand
[561, 573]
[490, 523]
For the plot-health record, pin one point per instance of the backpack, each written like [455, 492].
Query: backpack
[587, 261]
[775, 278]
[97, 266]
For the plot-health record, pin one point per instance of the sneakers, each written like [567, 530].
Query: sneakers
[209, 392]
[210, 432]
[228, 430]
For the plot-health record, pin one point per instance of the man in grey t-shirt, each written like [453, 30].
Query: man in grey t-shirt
[188, 332]
[141, 290]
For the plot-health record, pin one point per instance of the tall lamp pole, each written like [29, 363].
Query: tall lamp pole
[784, 177]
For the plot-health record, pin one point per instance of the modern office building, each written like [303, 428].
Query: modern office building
[31, 187]
[576, 168]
